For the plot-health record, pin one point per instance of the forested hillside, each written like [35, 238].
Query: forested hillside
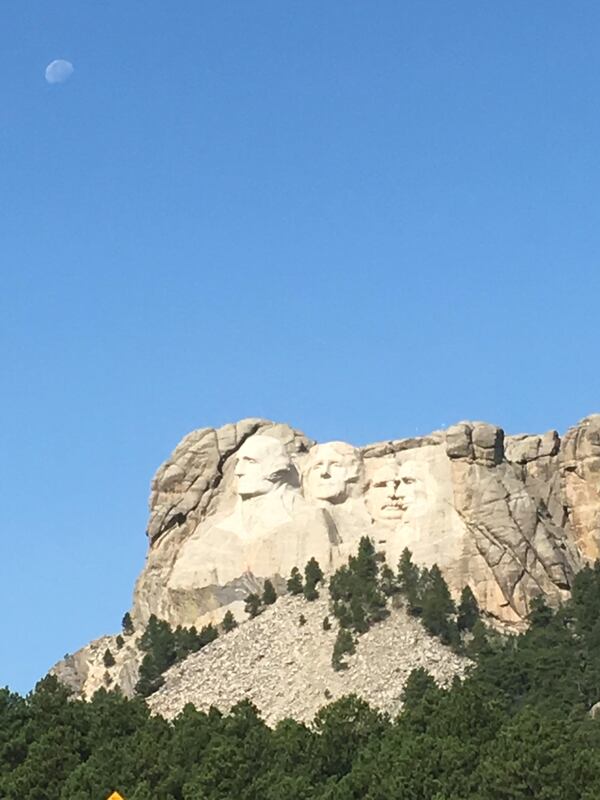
[517, 727]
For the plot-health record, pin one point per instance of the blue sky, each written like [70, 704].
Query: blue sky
[367, 219]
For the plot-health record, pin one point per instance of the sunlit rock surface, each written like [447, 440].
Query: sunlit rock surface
[511, 516]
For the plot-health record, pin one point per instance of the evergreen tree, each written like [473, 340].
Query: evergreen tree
[516, 726]
[438, 607]
[408, 580]
[159, 644]
[186, 640]
[540, 613]
[346, 730]
[358, 601]
[294, 583]
[229, 622]
[120, 642]
[418, 683]
[269, 593]
[313, 572]
[479, 644]
[387, 581]
[344, 644]
[252, 605]
[301, 620]
[108, 658]
[326, 624]
[207, 635]
[468, 610]
[150, 677]
[310, 592]
[127, 624]
[366, 562]
[159, 640]
[585, 599]
[163, 647]
[312, 576]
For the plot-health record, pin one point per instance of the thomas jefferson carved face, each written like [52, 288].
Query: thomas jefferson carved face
[262, 465]
[331, 471]
[392, 489]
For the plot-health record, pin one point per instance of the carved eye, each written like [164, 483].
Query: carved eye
[408, 480]
[249, 460]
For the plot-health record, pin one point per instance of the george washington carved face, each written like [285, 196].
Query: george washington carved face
[262, 465]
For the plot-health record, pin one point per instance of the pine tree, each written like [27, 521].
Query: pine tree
[108, 658]
[408, 580]
[162, 649]
[359, 617]
[479, 644]
[294, 583]
[387, 581]
[301, 620]
[365, 564]
[540, 613]
[269, 593]
[150, 676]
[344, 644]
[438, 607]
[468, 610]
[229, 622]
[252, 605]
[187, 641]
[312, 576]
[358, 601]
[310, 592]
[120, 642]
[207, 635]
[127, 624]
[326, 624]
[418, 683]
[313, 572]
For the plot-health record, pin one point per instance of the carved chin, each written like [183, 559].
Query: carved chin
[392, 512]
[329, 493]
[253, 490]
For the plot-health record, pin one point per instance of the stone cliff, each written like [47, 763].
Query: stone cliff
[511, 516]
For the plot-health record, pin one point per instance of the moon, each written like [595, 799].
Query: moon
[59, 71]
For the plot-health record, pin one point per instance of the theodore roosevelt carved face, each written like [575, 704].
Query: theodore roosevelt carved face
[332, 471]
[262, 465]
[392, 489]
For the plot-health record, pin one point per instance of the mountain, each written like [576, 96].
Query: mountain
[512, 517]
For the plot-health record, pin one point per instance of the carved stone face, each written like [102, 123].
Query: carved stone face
[262, 464]
[332, 469]
[391, 490]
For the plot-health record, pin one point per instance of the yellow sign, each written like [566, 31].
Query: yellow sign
[115, 796]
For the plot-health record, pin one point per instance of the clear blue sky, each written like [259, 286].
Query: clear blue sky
[366, 219]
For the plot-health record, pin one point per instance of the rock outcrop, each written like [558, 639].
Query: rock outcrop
[84, 672]
[511, 516]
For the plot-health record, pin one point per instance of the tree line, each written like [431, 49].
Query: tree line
[516, 727]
